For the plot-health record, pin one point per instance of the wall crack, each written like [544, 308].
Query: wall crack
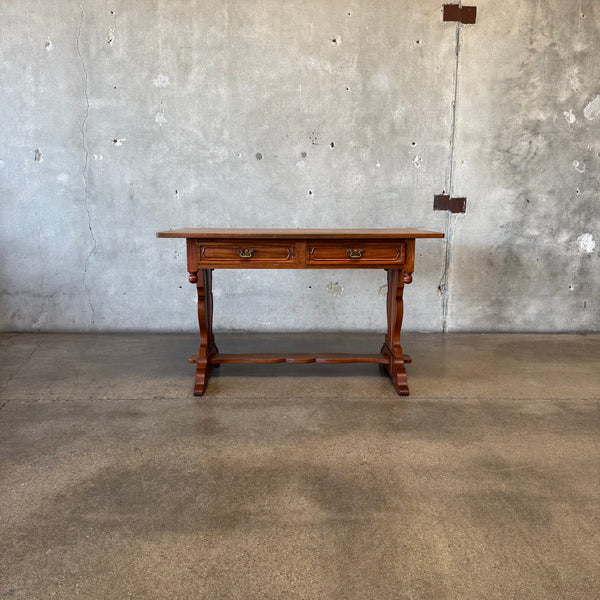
[85, 170]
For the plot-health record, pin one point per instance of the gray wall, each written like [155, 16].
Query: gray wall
[124, 118]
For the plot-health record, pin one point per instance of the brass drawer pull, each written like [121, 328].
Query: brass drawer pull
[246, 253]
[355, 253]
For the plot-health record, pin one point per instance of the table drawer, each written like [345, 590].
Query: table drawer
[356, 253]
[245, 253]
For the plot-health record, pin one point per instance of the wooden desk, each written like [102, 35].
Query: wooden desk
[389, 249]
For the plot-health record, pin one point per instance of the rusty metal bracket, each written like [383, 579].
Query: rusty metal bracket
[467, 15]
[445, 202]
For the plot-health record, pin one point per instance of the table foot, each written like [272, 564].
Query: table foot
[395, 366]
[201, 381]
[397, 372]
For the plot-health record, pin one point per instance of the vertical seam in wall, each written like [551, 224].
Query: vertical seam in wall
[449, 222]
[230, 96]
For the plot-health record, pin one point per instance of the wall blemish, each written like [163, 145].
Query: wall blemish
[38, 156]
[586, 243]
[592, 110]
[162, 81]
[574, 82]
[335, 288]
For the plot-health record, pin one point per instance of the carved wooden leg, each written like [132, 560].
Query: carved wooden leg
[201, 380]
[392, 348]
[203, 281]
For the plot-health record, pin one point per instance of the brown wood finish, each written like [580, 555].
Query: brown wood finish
[390, 249]
[354, 251]
[296, 357]
[245, 252]
[298, 234]
[392, 349]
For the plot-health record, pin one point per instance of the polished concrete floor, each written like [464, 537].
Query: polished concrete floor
[300, 481]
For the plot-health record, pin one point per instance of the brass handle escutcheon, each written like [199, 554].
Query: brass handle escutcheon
[246, 253]
[355, 253]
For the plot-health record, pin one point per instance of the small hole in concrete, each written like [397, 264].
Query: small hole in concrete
[413, 143]
[258, 156]
[332, 145]
[310, 192]
[303, 154]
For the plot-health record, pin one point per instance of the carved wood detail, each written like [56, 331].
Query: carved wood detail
[207, 343]
[392, 347]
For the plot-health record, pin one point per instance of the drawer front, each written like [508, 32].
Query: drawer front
[356, 253]
[245, 253]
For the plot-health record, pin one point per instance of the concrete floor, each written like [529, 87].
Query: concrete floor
[300, 481]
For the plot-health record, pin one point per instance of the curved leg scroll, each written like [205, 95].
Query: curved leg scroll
[203, 280]
[392, 348]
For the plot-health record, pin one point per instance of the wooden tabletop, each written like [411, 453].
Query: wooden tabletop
[306, 234]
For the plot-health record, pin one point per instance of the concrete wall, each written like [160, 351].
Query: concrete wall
[121, 118]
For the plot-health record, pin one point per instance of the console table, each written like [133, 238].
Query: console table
[389, 249]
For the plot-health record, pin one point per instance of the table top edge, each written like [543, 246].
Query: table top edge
[332, 234]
